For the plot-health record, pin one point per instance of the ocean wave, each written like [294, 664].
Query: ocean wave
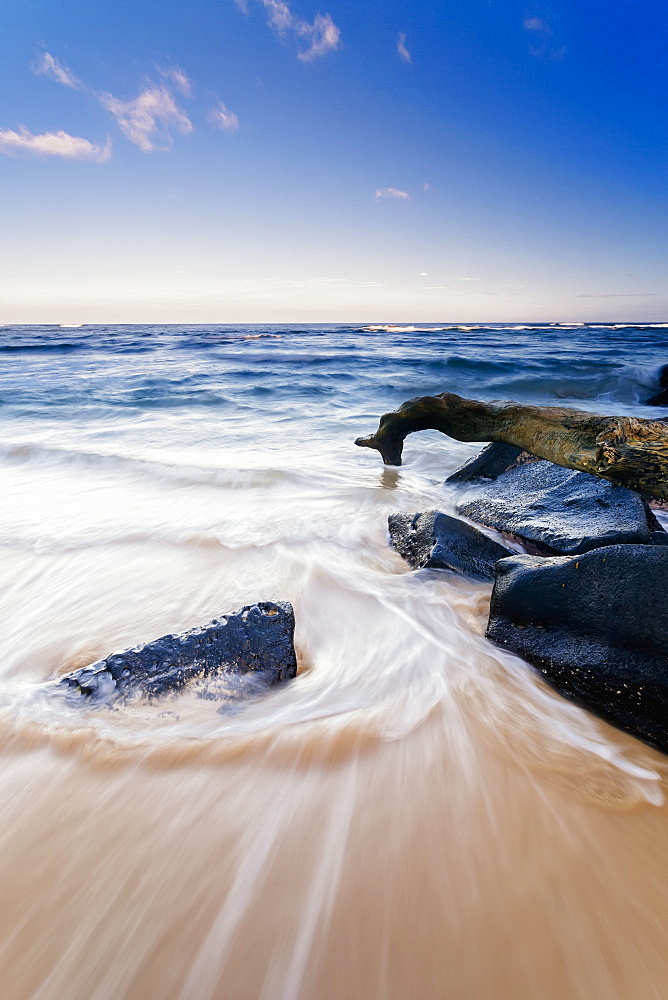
[414, 329]
[40, 347]
[28, 453]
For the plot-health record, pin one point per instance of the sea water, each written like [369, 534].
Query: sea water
[416, 814]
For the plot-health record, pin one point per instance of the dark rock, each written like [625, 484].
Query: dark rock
[437, 541]
[558, 510]
[488, 464]
[661, 397]
[258, 638]
[658, 537]
[596, 627]
[652, 520]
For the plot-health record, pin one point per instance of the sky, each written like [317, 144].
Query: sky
[232, 161]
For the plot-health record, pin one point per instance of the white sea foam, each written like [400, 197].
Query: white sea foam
[384, 825]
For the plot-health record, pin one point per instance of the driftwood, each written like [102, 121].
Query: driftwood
[628, 451]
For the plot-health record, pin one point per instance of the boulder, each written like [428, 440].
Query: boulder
[661, 397]
[487, 464]
[596, 627]
[557, 510]
[258, 638]
[434, 540]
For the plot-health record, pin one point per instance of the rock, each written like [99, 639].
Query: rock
[596, 627]
[627, 451]
[487, 464]
[257, 638]
[661, 397]
[653, 521]
[557, 510]
[434, 540]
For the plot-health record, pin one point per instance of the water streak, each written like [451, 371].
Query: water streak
[417, 814]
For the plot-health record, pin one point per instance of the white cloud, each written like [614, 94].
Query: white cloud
[323, 35]
[147, 120]
[544, 44]
[320, 37]
[221, 116]
[279, 15]
[180, 80]
[380, 193]
[537, 24]
[69, 147]
[49, 66]
[401, 47]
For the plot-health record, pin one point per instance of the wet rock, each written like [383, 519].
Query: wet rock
[488, 464]
[434, 540]
[558, 510]
[596, 627]
[661, 397]
[258, 638]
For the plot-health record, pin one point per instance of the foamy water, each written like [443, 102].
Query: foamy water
[416, 814]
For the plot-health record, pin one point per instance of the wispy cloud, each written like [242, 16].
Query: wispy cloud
[221, 116]
[320, 37]
[68, 147]
[148, 120]
[323, 36]
[49, 66]
[619, 295]
[401, 48]
[381, 193]
[543, 43]
[179, 79]
[537, 24]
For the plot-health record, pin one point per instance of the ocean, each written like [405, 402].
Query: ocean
[416, 815]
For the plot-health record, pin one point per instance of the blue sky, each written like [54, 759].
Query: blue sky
[287, 160]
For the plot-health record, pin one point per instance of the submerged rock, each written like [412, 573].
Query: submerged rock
[557, 510]
[596, 627]
[434, 540]
[258, 638]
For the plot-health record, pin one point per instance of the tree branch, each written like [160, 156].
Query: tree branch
[628, 451]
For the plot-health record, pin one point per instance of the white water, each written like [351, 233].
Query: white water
[415, 816]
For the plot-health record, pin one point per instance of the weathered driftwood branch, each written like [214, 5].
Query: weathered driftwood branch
[628, 451]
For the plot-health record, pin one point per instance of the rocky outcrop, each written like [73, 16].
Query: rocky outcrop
[627, 451]
[596, 627]
[557, 510]
[433, 540]
[257, 638]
